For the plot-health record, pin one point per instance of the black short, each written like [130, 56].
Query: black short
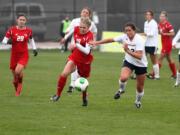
[179, 57]
[138, 70]
[150, 50]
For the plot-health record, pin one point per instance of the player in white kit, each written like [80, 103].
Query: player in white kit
[135, 60]
[85, 12]
[176, 45]
[151, 43]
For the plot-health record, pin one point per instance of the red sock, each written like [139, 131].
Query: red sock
[19, 86]
[173, 68]
[61, 84]
[15, 82]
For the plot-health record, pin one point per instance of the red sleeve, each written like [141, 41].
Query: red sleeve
[9, 33]
[169, 27]
[90, 37]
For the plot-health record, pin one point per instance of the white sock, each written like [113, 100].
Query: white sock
[156, 70]
[122, 86]
[178, 78]
[139, 96]
[74, 77]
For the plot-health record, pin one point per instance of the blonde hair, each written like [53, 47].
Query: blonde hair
[86, 20]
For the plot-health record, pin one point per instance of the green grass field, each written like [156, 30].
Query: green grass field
[33, 114]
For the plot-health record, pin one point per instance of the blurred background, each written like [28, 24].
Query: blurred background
[45, 16]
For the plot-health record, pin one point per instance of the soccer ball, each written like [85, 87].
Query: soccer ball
[81, 84]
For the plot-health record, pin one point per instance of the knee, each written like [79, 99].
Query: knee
[123, 78]
[63, 74]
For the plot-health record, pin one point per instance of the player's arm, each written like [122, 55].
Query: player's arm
[176, 38]
[136, 54]
[33, 44]
[86, 50]
[100, 42]
[5, 40]
[170, 33]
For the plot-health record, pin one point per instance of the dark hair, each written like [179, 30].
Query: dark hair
[89, 10]
[151, 12]
[130, 24]
[165, 13]
[21, 14]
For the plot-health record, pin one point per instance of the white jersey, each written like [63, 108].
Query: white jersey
[175, 39]
[151, 31]
[76, 22]
[137, 44]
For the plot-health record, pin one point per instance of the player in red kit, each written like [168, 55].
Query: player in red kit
[81, 58]
[167, 32]
[20, 35]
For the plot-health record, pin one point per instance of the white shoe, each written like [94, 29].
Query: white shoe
[176, 84]
[138, 104]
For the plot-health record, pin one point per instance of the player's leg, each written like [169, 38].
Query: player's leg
[154, 60]
[84, 71]
[140, 89]
[141, 76]
[68, 69]
[19, 75]
[178, 75]
[172, 65]
[15, 80]
[74, 77]
[126, 72]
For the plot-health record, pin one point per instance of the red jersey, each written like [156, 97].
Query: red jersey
[20, 38]
[166, 27]
[77, 55]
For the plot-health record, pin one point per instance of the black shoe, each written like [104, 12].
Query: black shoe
[117, 95]
[85, 102]
[54, 98]
[70, 90]
[173, 77]
[150, 76]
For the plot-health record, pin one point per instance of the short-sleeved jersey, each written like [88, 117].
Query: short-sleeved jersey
[20, 38]
[137, 44]
[83, 39]
[166, 27]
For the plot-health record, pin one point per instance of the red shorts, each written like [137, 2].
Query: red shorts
[83, 69]
[18, 58]
[166, 50]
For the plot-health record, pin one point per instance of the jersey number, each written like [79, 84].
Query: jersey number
[20, 38]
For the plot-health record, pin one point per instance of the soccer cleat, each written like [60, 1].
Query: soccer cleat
[118, 94]
[85, 102]
[54, 98]
[173, 77]
[133, 76]
[138, 104]
[176, 84]
[70, 90]
[150, 76]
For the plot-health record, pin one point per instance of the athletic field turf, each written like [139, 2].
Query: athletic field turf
[33, 114]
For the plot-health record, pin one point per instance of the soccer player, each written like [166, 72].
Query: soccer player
[20, 35]
[135, 60]
[151, 44]
[80, 58]
[167, 32]
[86, 12]
[174, 43]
